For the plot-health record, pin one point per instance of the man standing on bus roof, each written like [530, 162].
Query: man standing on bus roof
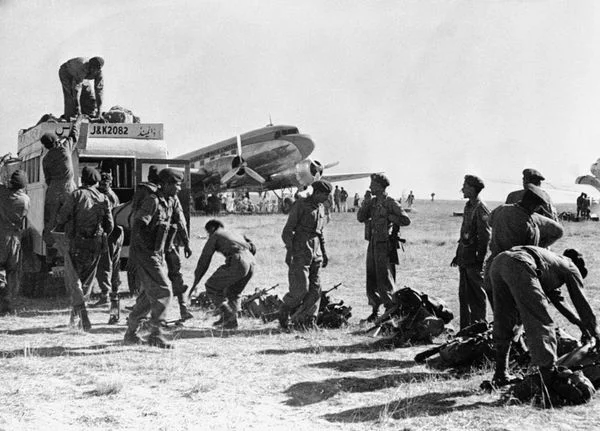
[72, 75]
[59, 175]
[14, 206]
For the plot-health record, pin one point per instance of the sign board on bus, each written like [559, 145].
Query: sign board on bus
[125, 130]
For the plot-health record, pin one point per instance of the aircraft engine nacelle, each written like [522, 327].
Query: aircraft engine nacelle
[303, 173]
[219, 167]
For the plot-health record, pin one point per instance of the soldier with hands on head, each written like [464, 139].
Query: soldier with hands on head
[305, 256]
[151, 222]
[227, 283]
[470, 254]
[14, 206]
[525, 281]
[383, 216]
[86, 219]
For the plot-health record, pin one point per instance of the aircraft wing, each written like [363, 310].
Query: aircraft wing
[589, 181]
[334, 178]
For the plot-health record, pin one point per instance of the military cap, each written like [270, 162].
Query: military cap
[170, 175]
[533, 192]
[577, 259]
[474, 181]
[322, 186]
[97, 62]
[381, 179]
[532, 174]
[18, 179]
[89, 175]
[48, 140]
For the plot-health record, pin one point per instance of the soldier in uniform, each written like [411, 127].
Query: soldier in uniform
[73, 75]
[532, 176]
[178, 236]
[86, 218]
[14, 206]
[151, 223]
[470, 253]
[227, 283]
[382, 216]
[57, 166]
[141, 192]
[305, 256]
[525, 280]
[108, 267]
[519, 224]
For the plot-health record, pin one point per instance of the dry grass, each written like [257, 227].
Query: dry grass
[258, 377]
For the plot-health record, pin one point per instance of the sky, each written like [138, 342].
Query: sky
[423, 90]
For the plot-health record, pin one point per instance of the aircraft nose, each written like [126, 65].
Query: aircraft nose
[304, 144]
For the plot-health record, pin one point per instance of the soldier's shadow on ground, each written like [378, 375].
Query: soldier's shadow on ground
[430, 404]
[364, 347]
[363, 364]
[185, 333]
[305, 393]
[63, 328]
[55, 351]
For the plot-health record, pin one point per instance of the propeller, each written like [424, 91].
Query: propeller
[240, 167]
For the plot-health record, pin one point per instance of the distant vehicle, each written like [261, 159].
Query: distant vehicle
[125, 149]
[269, 158]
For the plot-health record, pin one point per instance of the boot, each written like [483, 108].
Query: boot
[284, 316]
[156, 339]
[86, 325]
[373, 316]
[114, 312]
[131, 338]
[218, 322]
[185, 313]
[101, 301]
[229, 317]
[501, 376]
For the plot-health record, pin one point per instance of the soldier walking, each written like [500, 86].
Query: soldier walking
[151, 223]
[470, 253]
[305, 256]
[382, 216]
[14, 206]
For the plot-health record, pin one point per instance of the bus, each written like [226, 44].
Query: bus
[127, 150]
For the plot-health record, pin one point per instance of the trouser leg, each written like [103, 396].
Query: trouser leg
[472, 296]
[372, 291]
[385, 273]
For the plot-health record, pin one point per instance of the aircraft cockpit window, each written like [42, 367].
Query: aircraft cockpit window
[293, 131]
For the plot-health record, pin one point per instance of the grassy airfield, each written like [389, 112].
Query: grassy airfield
[258, 377]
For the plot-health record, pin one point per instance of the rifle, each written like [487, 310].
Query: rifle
[257, 294]
[472, 330]
[325, 292]
[384, 318]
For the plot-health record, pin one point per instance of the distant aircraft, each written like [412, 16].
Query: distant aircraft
[591, 180]
[269, 158]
